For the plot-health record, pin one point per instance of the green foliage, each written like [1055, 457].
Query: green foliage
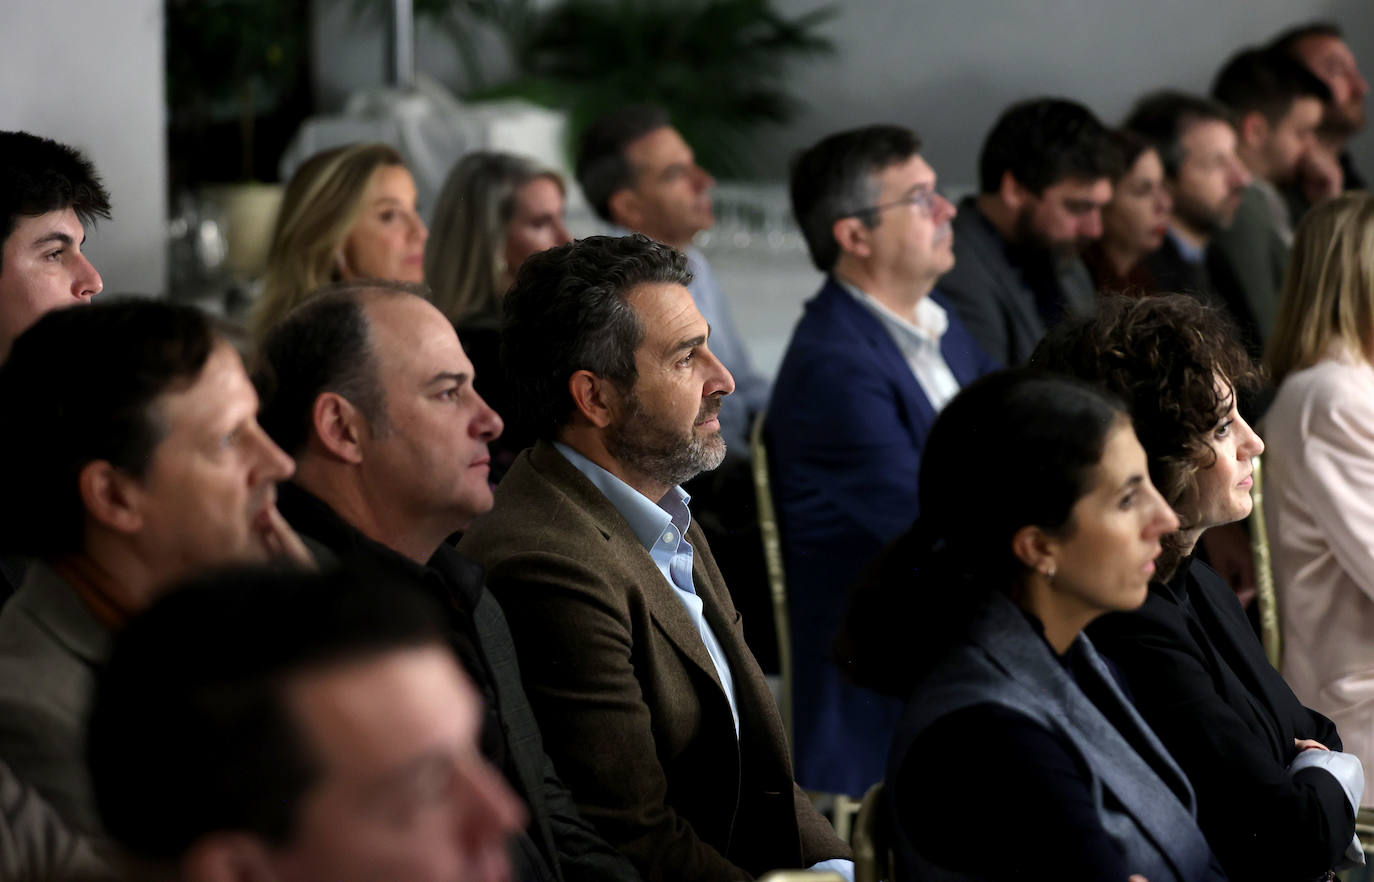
[220, 52]
[718, 66]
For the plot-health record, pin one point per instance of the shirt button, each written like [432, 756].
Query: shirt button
[667, 537]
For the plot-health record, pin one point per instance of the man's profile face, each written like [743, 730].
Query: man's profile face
[912, 235]
[672, 194]
[1293, 135]
[208, 496]
[1066, 216]
[403, 790]
[667, 427]
[42, 268]
[430, 455]
[1207, 188]
[1331, 60]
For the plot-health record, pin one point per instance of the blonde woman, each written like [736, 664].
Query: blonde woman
[1319, 469]
[495, 210]
[348, 213]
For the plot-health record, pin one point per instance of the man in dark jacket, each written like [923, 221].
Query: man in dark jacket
[371, 387]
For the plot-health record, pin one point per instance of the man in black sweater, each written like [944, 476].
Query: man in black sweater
[369, 385]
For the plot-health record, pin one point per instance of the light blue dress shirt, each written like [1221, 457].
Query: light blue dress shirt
[662, 529]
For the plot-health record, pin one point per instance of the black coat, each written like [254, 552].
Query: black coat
[1200, 678]
[558, 843]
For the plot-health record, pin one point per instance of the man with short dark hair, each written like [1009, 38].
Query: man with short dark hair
[140, 461]
[264, 724]
[368, 386]
[639, 174]
[879, 346]
[652, 706]
[1277, 104]
[1196, 142]
[49, 194]
[1328, 170]
[1044, 174]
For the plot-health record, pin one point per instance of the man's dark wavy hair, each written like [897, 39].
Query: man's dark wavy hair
[39, 175]
[1161, 355]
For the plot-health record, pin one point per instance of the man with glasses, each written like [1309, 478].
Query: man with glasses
[873, 359]
[1044, 174]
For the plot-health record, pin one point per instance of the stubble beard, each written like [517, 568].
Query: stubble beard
[646, 443]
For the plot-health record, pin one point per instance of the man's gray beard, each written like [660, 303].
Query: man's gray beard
[642, 442]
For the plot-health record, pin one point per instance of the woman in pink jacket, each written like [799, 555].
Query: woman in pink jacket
[1319, 468]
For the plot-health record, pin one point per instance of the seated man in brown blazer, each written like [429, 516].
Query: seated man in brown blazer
[652, 707]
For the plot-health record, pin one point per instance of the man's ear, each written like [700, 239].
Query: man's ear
[339, 426]
[594, 397]
[227, 857]
[1010, 191]
[111, 497]
[851, 234]
[1253, 129]
[627, 209]
[1034, 548]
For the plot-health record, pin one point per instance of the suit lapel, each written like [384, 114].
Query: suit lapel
[623, 546]
[886, 356]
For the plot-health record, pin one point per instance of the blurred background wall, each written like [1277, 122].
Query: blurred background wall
[90, 73]
[946, 67]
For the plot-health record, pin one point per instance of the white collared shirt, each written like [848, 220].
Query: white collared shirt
[918, 339]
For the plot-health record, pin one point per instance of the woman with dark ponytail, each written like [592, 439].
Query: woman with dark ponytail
[1037, 516]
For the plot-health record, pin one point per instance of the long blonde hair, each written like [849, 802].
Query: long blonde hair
[465, 264]
[1328, 294]
[322, 202]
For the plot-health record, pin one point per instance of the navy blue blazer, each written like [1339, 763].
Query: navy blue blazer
[845, 429]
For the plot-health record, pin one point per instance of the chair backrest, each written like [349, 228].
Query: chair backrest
[1266, 594]
[871, 842]
[772, 557]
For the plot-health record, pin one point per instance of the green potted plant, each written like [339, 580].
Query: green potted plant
[718, 66]
[230, 65]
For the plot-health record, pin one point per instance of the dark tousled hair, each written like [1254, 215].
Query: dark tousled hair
[1163, 117]
[1266, 82]
[602, 168]
[191, 732]
[39, 175]
[835, 179]
[1287, 41]
[1016, 448]
[569, 310]
[1161, 354]
[1044, 141]
[80, 385]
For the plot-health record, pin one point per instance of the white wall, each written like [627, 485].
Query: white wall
[947, 67]
[89, 73]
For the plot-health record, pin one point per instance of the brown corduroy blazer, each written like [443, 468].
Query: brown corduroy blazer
[629, 703]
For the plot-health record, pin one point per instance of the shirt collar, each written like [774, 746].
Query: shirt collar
[930, 319]
[647, 519]
[1187, 250]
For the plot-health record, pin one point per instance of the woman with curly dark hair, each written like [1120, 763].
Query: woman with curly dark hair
[1276, 797]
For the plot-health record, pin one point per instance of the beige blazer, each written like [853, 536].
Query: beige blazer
[632, 711]
[1319, 508]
